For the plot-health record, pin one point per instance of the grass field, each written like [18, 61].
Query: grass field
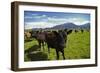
[77, 47]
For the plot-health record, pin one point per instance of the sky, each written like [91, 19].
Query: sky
[39, 19]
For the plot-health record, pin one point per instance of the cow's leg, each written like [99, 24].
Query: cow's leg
[43, 45]
[48, 49]
[39, 44]
[57, 54]
[62, 51]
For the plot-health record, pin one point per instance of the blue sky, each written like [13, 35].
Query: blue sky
[39, 19]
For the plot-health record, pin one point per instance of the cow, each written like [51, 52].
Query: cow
[82, 30]
[27, 35]
[76, 31]
[56, 40]
[40, 37]
[53, 39]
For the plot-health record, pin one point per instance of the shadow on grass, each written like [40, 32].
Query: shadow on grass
[38, 56]
[85, 57]
[33, 48]
[34, 54]
[27, 40]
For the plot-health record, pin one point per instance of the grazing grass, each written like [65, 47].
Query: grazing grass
[77, 47]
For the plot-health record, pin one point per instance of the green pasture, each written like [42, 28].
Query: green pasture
[77, 47]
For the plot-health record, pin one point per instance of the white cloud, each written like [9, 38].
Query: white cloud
[35, 16]
[77, 21]
[49, 23]
[57, 20]
[30, 25]
[28, 17]
[40, 16]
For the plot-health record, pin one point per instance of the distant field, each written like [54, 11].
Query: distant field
[77, 47]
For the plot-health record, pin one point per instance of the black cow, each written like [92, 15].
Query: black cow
[69, 32]
[76, 31]
[56, 40]
[82, 30]
[40, 37]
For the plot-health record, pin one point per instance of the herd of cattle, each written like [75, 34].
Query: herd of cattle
[53, 39]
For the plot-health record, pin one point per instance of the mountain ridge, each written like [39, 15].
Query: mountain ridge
[68, 26]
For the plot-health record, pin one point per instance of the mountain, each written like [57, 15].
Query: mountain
[66, 26]
[85, 26]
[72, 26]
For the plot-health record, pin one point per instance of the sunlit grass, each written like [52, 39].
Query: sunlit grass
[77, 47]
